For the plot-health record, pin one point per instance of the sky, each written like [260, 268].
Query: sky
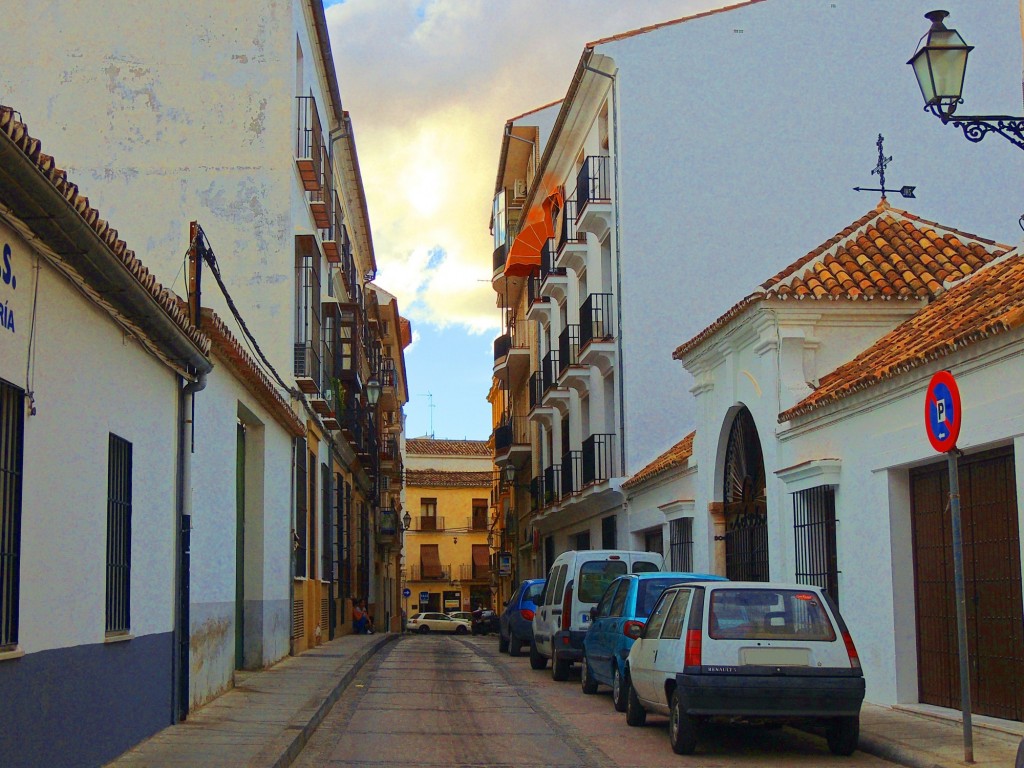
[429, 85]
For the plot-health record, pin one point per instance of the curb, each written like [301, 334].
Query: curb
[282, 758]
[893, 753]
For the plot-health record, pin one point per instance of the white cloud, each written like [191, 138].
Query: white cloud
[430, 85]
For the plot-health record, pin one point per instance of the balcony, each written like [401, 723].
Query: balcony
[428, 573]
[572, 473]
[512, 352]
[568, 348]
[498, 259]
[536, 386]
[387, 526]
[572, 244]
[335, 235]
[427, 523]
[474, 572]
[554, 282]
[552, 485]
[597, 331]
[512, 440]
[307, 367]
[593, 196]
[597, 458]
[309, 144]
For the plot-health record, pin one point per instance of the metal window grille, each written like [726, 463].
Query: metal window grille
[312, 529]
[327, 540]
[681, 544]
[300, 507]
[12, 443]
[814, 525]
[119, 534]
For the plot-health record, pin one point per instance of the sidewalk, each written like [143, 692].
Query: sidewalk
[267, 718]
[928, 737]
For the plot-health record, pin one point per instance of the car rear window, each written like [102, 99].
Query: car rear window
[645, 566]
[647, 594]
[595, 576]
[766, 614]
[533, 592]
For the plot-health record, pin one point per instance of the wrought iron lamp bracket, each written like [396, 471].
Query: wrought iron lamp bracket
[977, 127]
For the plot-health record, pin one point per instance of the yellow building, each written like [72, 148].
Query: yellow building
[448, 561]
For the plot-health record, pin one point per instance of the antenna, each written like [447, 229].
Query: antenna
[431, 406]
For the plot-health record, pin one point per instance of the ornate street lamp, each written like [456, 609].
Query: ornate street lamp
[510, 473]
[940, 64]
[407, 520]
[373, 390]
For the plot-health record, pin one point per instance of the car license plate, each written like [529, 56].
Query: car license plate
[776, 657]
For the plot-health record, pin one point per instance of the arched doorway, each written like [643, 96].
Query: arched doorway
[746, 509]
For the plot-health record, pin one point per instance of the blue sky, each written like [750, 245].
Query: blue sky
[429, 85]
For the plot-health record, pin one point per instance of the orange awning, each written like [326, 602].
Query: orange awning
[524, 255]
[430, 561]
[481, 555]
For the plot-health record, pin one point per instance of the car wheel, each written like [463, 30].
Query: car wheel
[618, 690]
[461, 631]
[502, 643]
[515, 645]
[536, 660]
[843, 733]
[559, 668]
[587, 681]
[636, 715]
[682, 731]
[424, 629]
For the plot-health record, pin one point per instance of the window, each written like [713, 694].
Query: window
[312, 515]
[12, 446]
[428, 514]
[326, 539]
[480, 514]
[681, 544]
[533, 594]
[648, 592]
[604, 608]
[119, 533]
[581, 541]
[673, 629]
[619, 603]
[300, 507]
[660, 614]
[609, 538]
[814, 525]
[556, 584]
[764, 614]
[595, 577]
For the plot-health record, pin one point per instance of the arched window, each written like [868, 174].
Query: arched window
[746, 508]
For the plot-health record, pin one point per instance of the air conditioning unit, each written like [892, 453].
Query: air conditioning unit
[519, 188]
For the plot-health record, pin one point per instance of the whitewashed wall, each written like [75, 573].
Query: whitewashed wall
[740, 136]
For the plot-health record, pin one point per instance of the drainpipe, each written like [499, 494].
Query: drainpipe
[182, 534]
[618, 272]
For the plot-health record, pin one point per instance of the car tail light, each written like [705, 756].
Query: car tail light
[567, 608]
[693, 643]
[851, 650]
[527, 614]
[632, 629]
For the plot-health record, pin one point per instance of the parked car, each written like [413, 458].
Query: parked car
[755, 651]
[438, 622]
[617, 621]
[464, 615]
[516, 622]
[484, 621]
[576, 582]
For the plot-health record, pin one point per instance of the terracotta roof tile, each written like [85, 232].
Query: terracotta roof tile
[431, 447]
[887, 253]
[12, 125]
[435, 478]
[675, 456]
[988, 302]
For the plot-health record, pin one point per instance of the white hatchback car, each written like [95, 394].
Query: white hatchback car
[753, 651]
[437, 622]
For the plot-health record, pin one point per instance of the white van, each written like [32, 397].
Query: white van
[575, 583]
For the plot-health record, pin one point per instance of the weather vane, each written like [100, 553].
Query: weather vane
[883, 161]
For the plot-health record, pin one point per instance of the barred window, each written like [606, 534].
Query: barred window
[681, 543]
[300, 507]
[12, 446]
[814, 525]
[119, 534]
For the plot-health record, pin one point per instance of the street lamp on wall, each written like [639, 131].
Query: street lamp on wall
[372, 391]
[407, 520]
[940, 64]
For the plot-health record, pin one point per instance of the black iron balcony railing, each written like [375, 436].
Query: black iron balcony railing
[429, 572]
[537, 493]
[553, 485]
[514, 430]
[536, 389]
[307, 362]
[572, 471]
[499, 257]
[592, 182]
[596, 322]
[547, 260]
[549, 368]
[597, 458]
[308, 322]
[533, 284]
[568, 347]
[428, 523]
[309, 139]
[502, 346]
[568, 233]
[474, 572]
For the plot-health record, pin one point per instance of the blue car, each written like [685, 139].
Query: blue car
[617, 621]
[515, 627]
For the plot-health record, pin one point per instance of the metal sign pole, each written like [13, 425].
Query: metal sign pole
[961, 605]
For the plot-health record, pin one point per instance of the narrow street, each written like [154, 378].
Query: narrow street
[446, 701]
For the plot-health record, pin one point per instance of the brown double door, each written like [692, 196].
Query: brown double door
[992, 577]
